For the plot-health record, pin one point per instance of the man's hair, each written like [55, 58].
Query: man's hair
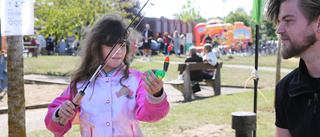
[147, 26]
[193, 50]
[309, 9]
[208, 47]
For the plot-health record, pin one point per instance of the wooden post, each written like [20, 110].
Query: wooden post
[16, 100]
[187, 86]
[244, 123]
[278, 72]
[217, 80]
[278, 68]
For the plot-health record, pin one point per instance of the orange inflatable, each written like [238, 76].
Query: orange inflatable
[236, 35]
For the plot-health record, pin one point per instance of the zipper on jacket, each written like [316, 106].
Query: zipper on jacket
[315, 99]
[309, 112]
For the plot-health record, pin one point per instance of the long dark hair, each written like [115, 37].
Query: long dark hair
[106, 31]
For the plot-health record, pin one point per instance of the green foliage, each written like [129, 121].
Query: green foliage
[189, 13]
[238, 15]
[268, 30]
[62, 18]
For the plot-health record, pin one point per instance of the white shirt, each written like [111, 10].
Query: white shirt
[211, 57]
[146, 36]
[42, 42]
[183, 41]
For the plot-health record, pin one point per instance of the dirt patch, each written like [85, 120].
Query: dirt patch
[208, 130]
[37, 94]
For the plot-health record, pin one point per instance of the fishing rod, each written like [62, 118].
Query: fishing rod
[81, 93]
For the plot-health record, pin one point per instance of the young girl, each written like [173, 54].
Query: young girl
[119, 97]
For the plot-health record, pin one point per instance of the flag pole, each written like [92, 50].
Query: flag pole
[256, 78]
[256, 19]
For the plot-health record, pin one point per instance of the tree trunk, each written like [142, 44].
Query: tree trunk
[16, 100]
[278, 68]
[278, 72]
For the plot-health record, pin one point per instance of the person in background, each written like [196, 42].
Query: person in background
[62, 47]
[208, 39]
[76, 46]
[176, 41]
[182, 43]
[297, 99]
[32, 50]
[160, 44]
[50, 45]
[210, 58]
[42, 43]
[146, 46]
[166, 41]
[195, 75]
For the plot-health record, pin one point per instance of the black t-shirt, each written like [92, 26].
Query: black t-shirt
[315, 83]
[297, 103]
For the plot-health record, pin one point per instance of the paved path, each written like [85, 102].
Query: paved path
[47, 79]
[232, 66]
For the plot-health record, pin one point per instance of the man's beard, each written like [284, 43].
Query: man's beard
[295, 48]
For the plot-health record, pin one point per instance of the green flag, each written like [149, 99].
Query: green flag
[257, 11]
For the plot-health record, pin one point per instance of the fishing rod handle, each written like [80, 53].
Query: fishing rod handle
[76, 102]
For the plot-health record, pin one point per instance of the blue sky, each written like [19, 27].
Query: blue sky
[208, 8]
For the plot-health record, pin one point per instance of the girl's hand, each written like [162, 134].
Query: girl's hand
[155, 84]
[67, 110]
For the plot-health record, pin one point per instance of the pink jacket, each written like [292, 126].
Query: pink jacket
[111, 110]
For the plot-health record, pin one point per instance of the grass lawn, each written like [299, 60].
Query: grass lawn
[65, 65]
[190, 115]
[54, 65]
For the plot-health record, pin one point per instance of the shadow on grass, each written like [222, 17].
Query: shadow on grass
[196, 98]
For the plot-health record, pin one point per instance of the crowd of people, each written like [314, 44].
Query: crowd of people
[176, 40]
[48, 46]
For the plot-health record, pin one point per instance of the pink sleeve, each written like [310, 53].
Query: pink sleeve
[147, 111]
[54, 127]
